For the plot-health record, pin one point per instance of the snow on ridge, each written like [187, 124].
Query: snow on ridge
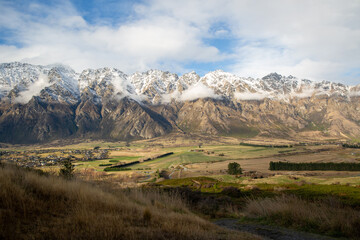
[156, 86]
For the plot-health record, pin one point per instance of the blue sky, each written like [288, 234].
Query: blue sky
[318, 40]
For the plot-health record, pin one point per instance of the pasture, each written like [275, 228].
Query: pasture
[212, 160]
[210, 157]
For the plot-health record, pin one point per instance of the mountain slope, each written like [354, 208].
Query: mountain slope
[36, 121]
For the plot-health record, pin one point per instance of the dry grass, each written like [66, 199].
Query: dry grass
[48, 207]
[327, 216]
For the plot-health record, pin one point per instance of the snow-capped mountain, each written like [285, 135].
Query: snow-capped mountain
[18, 76]
[19, 82]
[38, 103]
[154, 86]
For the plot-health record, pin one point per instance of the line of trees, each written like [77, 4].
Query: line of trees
[263, 145]
[347, 145]
[120, 167]
[314, 166]
[108, 169]
[124, 166]
[160, 156]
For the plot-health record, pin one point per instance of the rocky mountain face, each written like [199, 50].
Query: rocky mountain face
[42, 103]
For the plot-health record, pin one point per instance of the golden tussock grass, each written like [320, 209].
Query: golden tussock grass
[34, 206]
[327, 216]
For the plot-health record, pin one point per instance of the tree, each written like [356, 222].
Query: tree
[106, 154]
[234, 168]
[164, 174]
[68, 169]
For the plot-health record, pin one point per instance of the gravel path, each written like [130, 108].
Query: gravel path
[269, 232]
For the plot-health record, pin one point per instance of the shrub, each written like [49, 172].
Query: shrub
[164, 174]
[67, 170]
[234, 168]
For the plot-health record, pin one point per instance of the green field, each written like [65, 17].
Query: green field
[178, 159]
[125, 158]
[91, 164]
[95, 164]
[184, 155]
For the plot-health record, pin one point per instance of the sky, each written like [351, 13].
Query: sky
[317, 40]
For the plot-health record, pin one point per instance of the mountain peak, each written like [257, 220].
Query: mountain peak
[274, 76]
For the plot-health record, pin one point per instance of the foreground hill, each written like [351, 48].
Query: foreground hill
[47, 207]
[42, 103]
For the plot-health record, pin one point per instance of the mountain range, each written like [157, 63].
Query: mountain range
[44, 103]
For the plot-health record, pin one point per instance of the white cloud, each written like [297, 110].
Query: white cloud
[258, 61]
[64, 36]
[309, 39]
[121, 85]
[167, 98]
[355, 91]
[34, 89]
[199, 90]
[123, 88]
[196, 91]
[304, 93]
[250, 96]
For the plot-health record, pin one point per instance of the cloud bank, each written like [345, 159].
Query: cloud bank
[250, 96]
[310, 39]
[199, 90]
[34, 89]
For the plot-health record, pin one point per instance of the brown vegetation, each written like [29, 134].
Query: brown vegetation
[35, 206]
[327, 216]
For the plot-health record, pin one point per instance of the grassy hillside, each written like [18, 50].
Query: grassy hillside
[35, 206]
[332, 210]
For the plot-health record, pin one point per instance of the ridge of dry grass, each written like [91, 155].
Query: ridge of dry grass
[33, 206]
